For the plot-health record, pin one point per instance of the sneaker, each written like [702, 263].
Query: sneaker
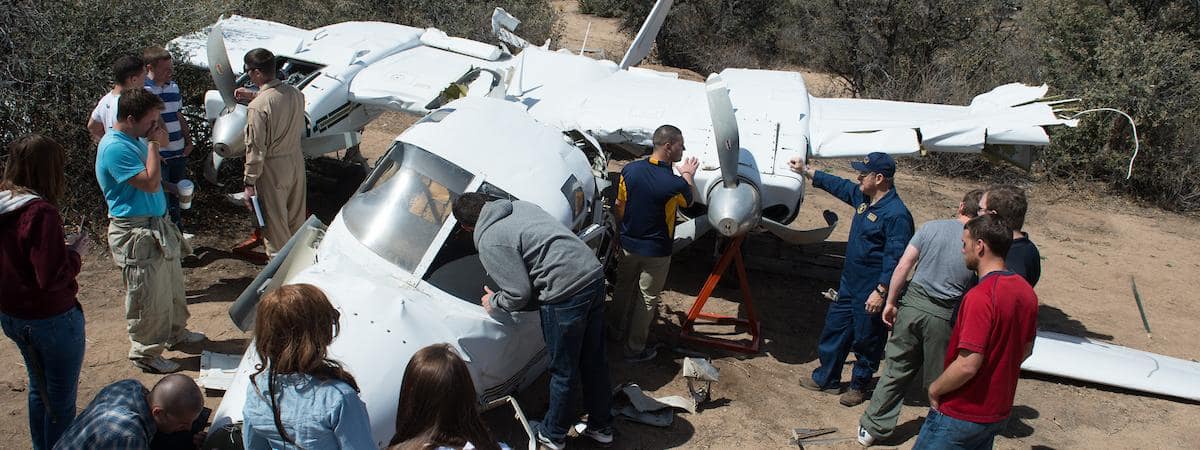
[864, 437]
[603, 435]
[157, 364]
[853, 397]
[810, 384]
[549, 444]
[188, 337]
[648, 353]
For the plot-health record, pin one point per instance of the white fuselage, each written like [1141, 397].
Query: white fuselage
[391, 306]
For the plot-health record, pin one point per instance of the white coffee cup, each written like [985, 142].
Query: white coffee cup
[186, 188]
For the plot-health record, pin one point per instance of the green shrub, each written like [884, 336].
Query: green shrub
[1140, 56]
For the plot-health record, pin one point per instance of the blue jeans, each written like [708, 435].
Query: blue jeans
[849, 327]
[944, 432]
[174, 170]
[574, 334]
[53, 352]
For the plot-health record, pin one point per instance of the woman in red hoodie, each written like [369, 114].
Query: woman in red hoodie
[38, 265]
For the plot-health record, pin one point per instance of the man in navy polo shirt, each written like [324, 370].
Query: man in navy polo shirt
[647, 198]
[879, 234]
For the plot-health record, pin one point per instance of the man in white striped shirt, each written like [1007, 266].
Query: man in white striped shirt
[159, 69]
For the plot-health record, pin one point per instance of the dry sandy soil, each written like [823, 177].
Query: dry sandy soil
[1091, 244]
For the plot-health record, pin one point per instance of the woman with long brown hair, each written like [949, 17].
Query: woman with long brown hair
[299, 398]
[438, 407]
[38, 265]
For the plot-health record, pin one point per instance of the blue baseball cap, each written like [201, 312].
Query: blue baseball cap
[881, 163]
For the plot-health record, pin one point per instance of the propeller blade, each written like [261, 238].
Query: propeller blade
[218, 66]
[797, 237]
[725, 130]
[211, 169]
[688, 232]
[645, 37]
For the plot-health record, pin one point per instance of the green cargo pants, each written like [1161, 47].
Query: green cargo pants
[919, 340]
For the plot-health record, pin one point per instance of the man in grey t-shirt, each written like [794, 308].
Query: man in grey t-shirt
[921, 319]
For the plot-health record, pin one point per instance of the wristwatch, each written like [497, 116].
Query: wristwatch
[881, 290]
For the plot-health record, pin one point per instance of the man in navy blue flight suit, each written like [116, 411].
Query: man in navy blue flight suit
[879, 234]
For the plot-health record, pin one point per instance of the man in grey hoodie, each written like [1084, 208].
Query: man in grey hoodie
[537, 262]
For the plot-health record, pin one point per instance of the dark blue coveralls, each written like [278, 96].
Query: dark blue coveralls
[879, 234]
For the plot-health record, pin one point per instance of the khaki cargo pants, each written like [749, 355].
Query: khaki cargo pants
[148, 251]
[640, 280]
[282, 189]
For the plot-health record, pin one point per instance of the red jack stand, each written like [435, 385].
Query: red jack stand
[243, 248]
[733, 253]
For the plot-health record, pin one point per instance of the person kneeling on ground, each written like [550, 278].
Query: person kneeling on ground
[299, 397]
[438, 406]
[125, 415]
[536, 260]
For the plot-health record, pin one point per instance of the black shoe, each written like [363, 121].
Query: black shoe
[810, 384]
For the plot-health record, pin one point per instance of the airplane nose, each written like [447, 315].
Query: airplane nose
[733, 211]
[229, 133]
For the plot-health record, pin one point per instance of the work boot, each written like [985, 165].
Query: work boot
[810, 384]
[853, 397]
[187, 337]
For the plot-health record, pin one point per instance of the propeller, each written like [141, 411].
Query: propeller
[734, 207]
[735, 204]
[645, 37]
[218, 66]
[725, 130]
[229, 130]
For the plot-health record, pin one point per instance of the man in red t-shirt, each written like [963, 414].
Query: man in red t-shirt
[994, 333]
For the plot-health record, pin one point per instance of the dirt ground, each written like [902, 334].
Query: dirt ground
[1091, 244]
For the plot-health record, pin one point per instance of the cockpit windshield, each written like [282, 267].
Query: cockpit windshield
[403, 203]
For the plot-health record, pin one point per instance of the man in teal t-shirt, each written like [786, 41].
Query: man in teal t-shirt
[119, 160]
[144, 242]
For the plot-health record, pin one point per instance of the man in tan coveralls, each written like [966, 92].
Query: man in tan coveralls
[274, 164]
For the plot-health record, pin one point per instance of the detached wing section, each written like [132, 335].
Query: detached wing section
[1013, 114]
[242, 34]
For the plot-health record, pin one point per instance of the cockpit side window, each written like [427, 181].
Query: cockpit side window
[572, 189]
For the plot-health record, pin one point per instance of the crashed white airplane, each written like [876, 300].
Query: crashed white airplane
[404, 276]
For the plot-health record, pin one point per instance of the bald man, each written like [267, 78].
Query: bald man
[126, 415]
